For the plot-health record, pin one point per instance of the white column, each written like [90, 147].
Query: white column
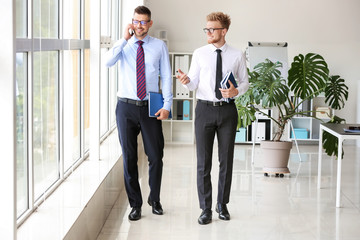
[7, 121]
[95, 78]
[358, 109]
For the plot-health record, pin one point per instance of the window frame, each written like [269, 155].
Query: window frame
[29, 45]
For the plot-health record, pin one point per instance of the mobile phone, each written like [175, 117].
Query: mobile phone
[131, 31]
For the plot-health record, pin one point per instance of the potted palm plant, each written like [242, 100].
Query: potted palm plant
[308, 77]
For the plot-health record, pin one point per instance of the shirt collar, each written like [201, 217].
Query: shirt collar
[145, 40]
[223, 48]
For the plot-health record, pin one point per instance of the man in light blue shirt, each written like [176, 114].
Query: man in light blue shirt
[142, 60]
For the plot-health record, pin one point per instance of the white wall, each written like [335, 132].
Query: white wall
[327, 27]
[127, 13]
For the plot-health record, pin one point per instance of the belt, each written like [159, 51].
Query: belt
[216, 104]
[135, 102]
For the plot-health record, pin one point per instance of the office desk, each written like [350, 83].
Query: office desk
[336, 130]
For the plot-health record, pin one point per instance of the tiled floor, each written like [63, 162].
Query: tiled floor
[263, 208]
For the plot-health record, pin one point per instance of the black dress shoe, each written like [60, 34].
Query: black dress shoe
[156, 207]
[205, 216]
[135, 214]
[223, 211]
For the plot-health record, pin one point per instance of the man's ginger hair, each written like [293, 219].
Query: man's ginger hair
[223, 18]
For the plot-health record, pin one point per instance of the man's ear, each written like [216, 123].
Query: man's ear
[224, 31]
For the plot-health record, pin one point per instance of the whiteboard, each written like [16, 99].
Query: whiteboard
[257, 52]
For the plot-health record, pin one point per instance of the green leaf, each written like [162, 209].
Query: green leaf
[336, 92]
[307, 75]
[270, 88]
[307, 78]
[246, 114]
[330, 142]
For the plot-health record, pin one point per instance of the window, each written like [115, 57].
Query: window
[86, 99]
[53, 93]
[45, 98]
[112, 95]
[46, 18]
[21, 18]
[45, 121]
[86, 79]
[113, 72]
[72, 19]
[86, 19]
[104, 98]
[21, 136]
[72, 103]
[110, 25]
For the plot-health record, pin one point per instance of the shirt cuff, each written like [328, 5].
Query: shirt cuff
[167, 106]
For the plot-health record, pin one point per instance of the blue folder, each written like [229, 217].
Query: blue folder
[186, 110]
[224, 84]
[156, 102]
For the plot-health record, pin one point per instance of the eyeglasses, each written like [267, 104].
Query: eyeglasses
[211, 30]
[143, 22]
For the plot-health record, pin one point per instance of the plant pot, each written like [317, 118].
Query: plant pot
[276, 156]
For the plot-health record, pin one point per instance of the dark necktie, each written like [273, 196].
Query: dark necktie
[218, 74]
[140, 71]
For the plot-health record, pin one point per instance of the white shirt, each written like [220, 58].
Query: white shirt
[202, 71]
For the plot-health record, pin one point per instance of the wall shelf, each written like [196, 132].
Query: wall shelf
[311, 124]
[180, 129]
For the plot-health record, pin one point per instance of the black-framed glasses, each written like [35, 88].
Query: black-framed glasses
[211, 30]
[143, 22]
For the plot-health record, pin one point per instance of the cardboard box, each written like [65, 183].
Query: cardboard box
[323, 112]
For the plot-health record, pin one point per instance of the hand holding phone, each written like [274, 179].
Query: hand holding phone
[129, 32]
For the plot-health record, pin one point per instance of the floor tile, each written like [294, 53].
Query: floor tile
[263, 208]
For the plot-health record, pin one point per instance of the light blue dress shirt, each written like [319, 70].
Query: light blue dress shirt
[157, 64]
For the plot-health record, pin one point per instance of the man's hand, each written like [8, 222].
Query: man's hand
[162, 114]
[129, 28]
[230, 92]
[183, 78]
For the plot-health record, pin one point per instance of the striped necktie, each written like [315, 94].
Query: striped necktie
[140, 71]
[218, 74]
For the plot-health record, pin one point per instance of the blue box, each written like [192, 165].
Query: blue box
[240, 135]
[300, 133]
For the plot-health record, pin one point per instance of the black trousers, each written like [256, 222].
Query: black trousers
[209, 120]
[131, 120]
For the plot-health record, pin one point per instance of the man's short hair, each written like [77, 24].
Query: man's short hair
[143, 11]
[223, 18]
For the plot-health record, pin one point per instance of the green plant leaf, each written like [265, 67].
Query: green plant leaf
[268, 69]
[246, 99]
[307, 75]
[336, 92]
[268, 87]
[246, 115]
[330, 142]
